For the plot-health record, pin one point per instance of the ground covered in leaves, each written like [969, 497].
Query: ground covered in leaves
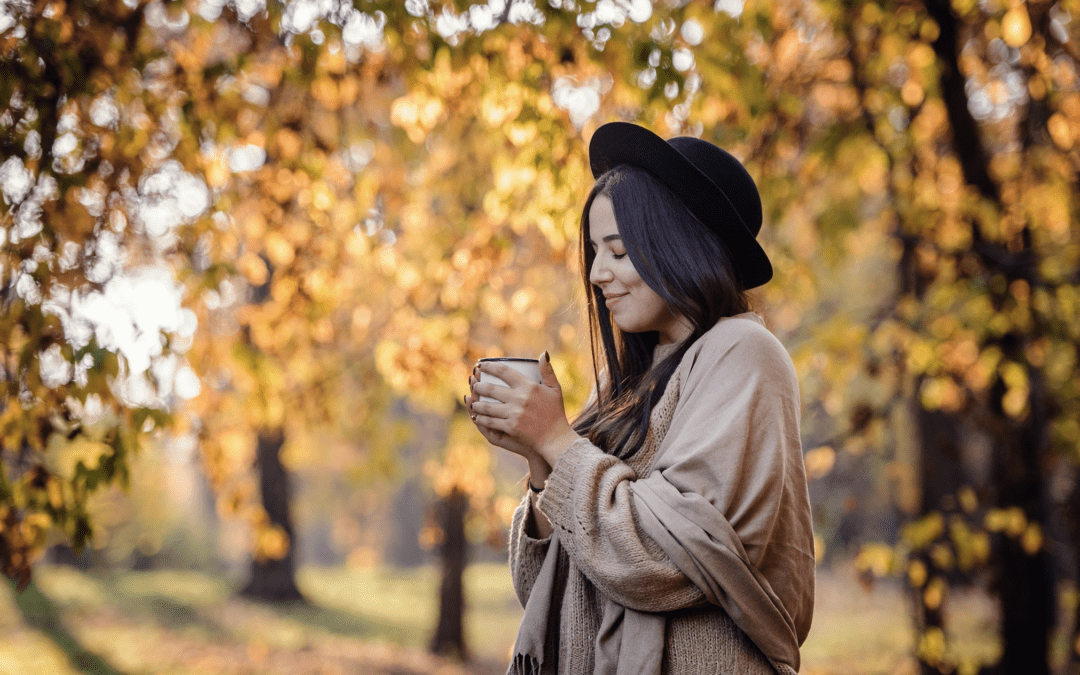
[375, 621]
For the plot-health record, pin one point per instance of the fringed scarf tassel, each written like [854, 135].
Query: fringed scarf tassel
[524, 664]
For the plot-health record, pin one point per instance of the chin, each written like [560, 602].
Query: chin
[632, 329]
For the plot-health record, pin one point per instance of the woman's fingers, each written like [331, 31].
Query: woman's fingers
[490, 415]
[511, 377]
[515, 383]
[498, 392]
[547, 373]
[489, 410]
[489, 429]
[520, 415]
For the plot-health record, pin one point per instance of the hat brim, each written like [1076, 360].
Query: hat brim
[618, 143]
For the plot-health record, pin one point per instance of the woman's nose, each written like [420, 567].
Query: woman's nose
[599, 272]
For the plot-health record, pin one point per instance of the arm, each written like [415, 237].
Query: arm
[588, 501]
[527, 551]
[530, 536]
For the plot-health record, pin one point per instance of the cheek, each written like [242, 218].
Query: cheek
[627, 273]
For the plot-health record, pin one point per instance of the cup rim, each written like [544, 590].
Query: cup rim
[509, 358]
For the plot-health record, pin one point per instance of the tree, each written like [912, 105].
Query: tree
[960, 99]
[88, 366]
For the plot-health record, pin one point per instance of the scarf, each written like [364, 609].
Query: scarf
[728, 450]
[631, 642]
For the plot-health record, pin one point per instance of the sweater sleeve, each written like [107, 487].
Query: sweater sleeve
[588, 499]
[526, 553]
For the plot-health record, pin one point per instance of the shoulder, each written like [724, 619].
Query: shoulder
[743, 335]
[739, 344]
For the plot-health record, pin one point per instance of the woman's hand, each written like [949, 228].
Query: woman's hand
[528, 418]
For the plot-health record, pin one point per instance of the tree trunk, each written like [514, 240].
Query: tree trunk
[449, 636]
[1024, 581]
[274, 580]
[1024, 578]
[1072, 519]
[941, 474]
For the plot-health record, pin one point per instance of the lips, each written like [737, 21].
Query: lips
[611, 299]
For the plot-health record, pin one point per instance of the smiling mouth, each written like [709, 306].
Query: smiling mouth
[609, 299]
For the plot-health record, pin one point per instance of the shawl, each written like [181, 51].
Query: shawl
[725, 499]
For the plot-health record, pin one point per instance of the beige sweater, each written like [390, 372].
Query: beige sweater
[725, 430]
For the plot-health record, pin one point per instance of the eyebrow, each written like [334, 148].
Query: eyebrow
[610, 237]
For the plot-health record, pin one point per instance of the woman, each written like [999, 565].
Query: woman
[668, 530]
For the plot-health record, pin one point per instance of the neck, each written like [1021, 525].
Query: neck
[677, 333]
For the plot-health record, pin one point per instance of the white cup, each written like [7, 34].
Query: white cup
[530, 368]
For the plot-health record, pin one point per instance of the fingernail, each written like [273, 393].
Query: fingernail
[546, 357]
[465, 399]
[472, 417]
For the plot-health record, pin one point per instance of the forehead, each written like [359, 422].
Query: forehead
[602, 222]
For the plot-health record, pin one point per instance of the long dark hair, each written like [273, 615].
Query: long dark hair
[685, 264]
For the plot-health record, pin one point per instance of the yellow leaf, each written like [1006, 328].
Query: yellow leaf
[921, 55]
[56, 494]
[325, 91]
[254, 224]
[253, 268]
[272, 543]
[819, 461]
[521, 134]
[1016, 26]
[62, 456]
[1015, 521]
[278, 249]
[878, 559]
[288, 143]
[1060, 131]
[917, 573]
[924, 531]
[1032, 539]
[931, 647]
[1014, 402]
[934, 594]
[912, 93]
[217, 172]
[942, 556]
[968, 500]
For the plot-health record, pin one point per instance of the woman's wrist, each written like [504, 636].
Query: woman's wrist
[539, 470]
[554, 446]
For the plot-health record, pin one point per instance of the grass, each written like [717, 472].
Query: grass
[857, 631]
[378, 621]
[189, 623]
[408, 617]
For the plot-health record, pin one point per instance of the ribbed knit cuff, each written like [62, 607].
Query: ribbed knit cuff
[528, 524]
[526, 553]
[557, 501]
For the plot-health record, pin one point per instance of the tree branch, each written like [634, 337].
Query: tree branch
[966, 140]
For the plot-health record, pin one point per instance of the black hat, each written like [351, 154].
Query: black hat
[714, 186]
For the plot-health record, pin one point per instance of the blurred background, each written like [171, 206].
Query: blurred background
[251, 249]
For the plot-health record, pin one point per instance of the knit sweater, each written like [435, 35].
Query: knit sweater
[606, 553]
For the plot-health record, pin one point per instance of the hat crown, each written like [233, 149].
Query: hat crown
[727, 173]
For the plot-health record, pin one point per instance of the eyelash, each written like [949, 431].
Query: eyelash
[616, 256]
